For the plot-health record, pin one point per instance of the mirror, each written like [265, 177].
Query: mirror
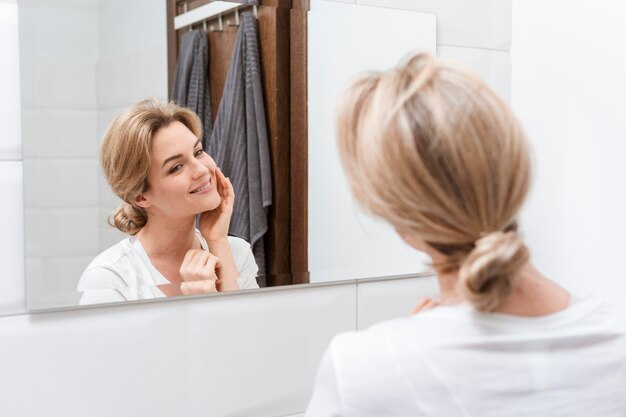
[84, 61]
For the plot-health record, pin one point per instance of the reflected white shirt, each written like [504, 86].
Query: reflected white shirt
[454, 361]
[124, 272]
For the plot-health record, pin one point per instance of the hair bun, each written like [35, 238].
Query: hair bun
[128, 219]
[488, 274]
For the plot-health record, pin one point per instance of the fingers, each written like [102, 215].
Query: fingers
[225, 186]
[199, 265]
[424, 304]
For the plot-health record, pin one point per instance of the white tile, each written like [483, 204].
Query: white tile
[32, 184]
[32, 276]
[59, 133]
[66, 82]
[30, 133]
[51, 282]
[10, 102]
[494, 67]
[67, 232]
[107, 235]
[146, 23]
[389, 299]
[125, 27]
[32, 242]
[150, 73]
[477, 23]
[63, 29]
[106, 198]
[115, 81]
[64, 133]
[61, 182]
[105, 117]
[247, 354]
[12, 292]
[28, 82]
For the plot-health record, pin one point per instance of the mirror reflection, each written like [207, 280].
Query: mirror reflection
[153, 159]
[84, 62]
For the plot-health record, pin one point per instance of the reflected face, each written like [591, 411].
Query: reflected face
[182, 176]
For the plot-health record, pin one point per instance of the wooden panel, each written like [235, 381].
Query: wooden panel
[275, 57]
[299, 146]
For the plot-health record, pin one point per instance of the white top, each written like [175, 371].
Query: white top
[454, 361]
[124, 272]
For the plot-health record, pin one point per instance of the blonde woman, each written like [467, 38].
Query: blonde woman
[153, 160]
[432, 150]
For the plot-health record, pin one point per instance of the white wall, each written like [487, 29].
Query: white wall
[350, 37]
[568, 89]
[12, 293]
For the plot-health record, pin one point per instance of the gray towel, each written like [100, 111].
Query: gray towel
[239, 141]
[191, 82]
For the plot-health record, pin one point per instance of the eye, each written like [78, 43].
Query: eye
[198, 153]
[175, 168]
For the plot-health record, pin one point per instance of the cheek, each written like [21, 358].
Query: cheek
[167, 188]
[210, 163]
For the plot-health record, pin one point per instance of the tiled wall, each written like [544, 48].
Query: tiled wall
[82, 62]
[58, 55]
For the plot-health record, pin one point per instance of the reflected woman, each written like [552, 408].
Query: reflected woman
[152, 157]
[432, 150]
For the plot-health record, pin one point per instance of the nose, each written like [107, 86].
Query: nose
[200, 169]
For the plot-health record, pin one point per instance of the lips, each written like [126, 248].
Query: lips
[203, 187]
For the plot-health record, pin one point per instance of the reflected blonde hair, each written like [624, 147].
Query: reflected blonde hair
[430, 148]
[126, 155]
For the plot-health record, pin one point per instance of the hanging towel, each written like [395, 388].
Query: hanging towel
[239, 141]
[191, 82]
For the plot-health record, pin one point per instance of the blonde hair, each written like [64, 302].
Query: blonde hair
[126, 152]
[430, 148]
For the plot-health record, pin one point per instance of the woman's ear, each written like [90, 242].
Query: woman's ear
[415, 242]
[141, 201]
[418, 244]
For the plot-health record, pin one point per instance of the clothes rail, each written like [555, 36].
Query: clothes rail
[207, 12]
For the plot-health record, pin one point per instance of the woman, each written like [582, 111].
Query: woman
[432, 150]
[152, 157]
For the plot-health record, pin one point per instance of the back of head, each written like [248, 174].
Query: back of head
[126, 152]
[431, 149]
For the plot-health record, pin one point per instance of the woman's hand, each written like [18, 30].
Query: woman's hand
[198, 272]
[214, 223]
[425, 304]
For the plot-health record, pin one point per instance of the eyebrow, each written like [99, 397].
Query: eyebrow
[177, 156]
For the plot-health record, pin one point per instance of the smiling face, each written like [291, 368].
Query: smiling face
[182, 176]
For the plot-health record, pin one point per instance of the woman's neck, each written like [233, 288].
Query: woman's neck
[168, 238]
[533, 294]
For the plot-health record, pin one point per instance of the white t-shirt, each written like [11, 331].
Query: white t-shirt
[454, 361]
[124, 272]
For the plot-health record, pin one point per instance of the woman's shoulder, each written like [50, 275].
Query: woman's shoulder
[112, 267]
[113, 254]
[239, 244]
